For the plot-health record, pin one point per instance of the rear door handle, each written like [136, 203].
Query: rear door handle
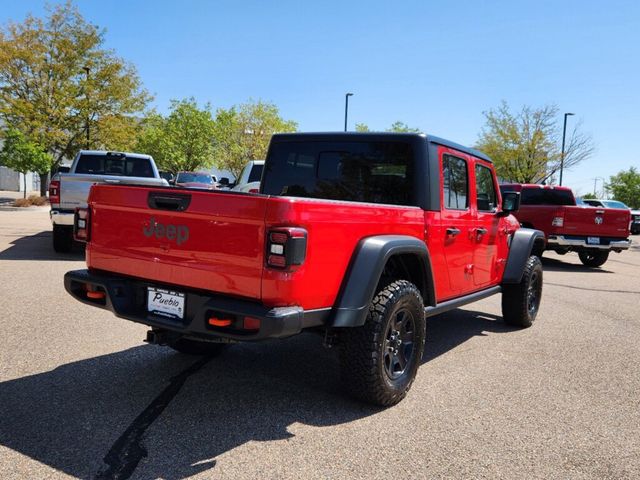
[481, 231]
[452, 231]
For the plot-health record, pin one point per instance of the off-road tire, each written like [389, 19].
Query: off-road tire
[370, 371]
[195, 347]
[520, 302]
[593, 258]
[62, 238]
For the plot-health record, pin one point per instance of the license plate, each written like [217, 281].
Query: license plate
[593, 240]
[165, 302]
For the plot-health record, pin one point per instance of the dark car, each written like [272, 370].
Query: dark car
[195, 180]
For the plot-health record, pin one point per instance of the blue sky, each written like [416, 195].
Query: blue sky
[435, 65]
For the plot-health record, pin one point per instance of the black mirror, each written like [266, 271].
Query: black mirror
[510, 202]
[168, 176]
[224, 181]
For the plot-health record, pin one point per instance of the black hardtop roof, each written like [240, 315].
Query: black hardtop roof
[381, 136]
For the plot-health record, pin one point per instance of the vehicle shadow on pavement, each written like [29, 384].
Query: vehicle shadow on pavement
[38, 247]
[448, 330]
[74, 416]
[70, 417]
[554, 265]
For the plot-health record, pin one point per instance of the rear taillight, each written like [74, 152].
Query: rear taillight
[54, 191]
[81, 225]
[286, 247]
[557, 222]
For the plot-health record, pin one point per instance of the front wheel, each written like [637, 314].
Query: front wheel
[379, 360]
[520, 302]
[62, 238]
[593, 258]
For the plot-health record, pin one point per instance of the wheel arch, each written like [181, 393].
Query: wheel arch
[403, 256]
[523, 242]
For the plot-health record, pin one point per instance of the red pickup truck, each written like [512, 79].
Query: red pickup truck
[357, 236]
[590, 231]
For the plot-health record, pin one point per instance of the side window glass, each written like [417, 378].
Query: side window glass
[456, 183]
[485, 189]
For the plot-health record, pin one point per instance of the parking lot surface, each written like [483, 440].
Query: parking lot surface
[82, 397]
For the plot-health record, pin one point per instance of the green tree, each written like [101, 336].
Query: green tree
[362, 127]
[401, 127]
[152, 139]
[625, 187]
[525, 146]
[22, 155]
[243, 132]
[183, 141]
[57, 80]
[589, 196]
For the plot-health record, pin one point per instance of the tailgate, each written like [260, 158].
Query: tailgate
[596, 222]
[199, 239]
[74, 188]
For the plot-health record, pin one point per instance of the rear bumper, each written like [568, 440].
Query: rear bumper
[127, 298]
[606, 243]
[62, 217]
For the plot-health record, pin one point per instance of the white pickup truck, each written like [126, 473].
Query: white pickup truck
[68, 191]
[249, 180]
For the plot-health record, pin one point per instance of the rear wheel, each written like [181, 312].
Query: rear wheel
[379, 360]
[520, 302]
[593, 258]
[196, 347]
[62, 238]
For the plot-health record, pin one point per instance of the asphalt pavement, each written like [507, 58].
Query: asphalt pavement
[81, 396]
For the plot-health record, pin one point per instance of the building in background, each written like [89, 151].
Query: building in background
[14, 181]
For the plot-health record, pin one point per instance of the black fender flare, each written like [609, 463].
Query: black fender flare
[520, 248]
[365, 270]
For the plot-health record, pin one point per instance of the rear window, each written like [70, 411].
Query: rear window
[375, 172]
[256, 173]
[117, 165]
[546, 196]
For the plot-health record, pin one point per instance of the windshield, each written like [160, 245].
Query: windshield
[187, 177]
[117, 165]
[372, 171]
[614, 204]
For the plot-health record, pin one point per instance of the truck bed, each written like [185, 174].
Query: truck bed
[224, 249]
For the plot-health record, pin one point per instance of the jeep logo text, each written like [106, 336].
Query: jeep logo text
[179, 233]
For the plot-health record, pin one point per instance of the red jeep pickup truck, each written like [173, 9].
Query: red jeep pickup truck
[356, 236]
[592, 232]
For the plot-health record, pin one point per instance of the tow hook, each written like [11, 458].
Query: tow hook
[156, 337]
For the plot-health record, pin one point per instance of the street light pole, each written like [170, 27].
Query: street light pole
[564, 134]
[86, 96]
[595, 182]
[346, 109]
